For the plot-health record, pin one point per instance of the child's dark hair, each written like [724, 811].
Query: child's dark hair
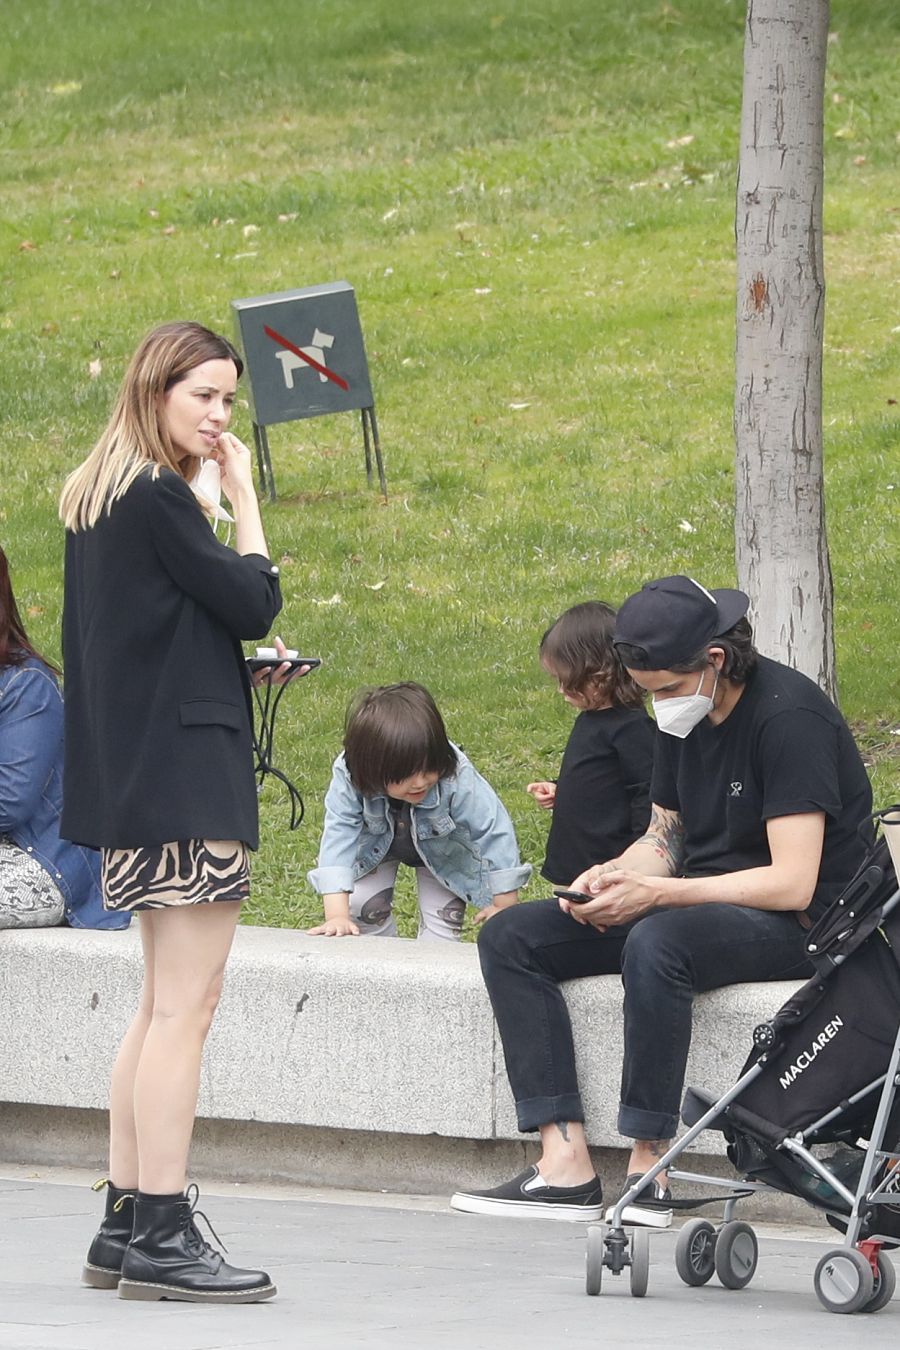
[393, 732]
[578, 650]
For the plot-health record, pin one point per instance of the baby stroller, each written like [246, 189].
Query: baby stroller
[814, 1114]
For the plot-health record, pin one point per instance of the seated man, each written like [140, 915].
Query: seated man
[759, 818]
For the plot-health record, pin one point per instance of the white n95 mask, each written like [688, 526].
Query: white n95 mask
[207, 486]
[679, 716]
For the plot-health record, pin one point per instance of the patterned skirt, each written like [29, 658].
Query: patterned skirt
[186, 872]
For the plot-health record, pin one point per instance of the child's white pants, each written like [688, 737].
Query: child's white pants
[372, 899]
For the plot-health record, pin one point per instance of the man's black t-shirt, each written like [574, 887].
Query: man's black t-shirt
[602, 794]
[783, 750]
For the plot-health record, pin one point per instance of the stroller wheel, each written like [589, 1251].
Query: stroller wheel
[593, 1260]
[885, 1284]
[695, 1252]
[640, 1262]
[843, 1281]
[736, 1254]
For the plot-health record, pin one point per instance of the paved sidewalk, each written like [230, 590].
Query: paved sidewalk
[357, 1272]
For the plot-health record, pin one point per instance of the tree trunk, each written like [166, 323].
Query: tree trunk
[781, 546]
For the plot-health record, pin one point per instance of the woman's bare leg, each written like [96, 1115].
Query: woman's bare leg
[123, 1154]
[190, 949]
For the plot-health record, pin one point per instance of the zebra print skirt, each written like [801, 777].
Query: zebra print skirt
[186, 872]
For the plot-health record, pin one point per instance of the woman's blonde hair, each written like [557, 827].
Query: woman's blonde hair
[136, 434]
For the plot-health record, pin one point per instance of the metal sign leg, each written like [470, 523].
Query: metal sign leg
[264, 462]
[367, 446]
[370, 428]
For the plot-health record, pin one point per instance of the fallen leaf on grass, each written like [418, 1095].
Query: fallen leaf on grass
[27, 246]
[376, 586]
[334, 600]
[686, 527]
[249, 230]
[517, 407]
[66, 87]
[678, 142]
[95, 368]
[482, 290]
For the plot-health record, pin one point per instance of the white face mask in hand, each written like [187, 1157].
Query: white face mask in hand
[207, 486]
[679, 716]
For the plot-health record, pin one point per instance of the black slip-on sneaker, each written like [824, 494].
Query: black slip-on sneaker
[651, 1209]
[530, 1195]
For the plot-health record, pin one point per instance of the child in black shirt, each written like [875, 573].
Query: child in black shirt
[600, 801]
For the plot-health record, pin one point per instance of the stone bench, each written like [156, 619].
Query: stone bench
[371, 1063]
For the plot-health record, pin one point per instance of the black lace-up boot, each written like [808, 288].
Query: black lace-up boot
[104, 1259]
[167, 1258]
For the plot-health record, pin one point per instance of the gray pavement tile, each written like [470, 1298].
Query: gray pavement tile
[366, 1277]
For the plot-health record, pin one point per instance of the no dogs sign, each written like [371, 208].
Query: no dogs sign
[305, 357]
[304, 351]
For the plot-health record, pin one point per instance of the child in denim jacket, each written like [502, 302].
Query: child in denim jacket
[401, 792]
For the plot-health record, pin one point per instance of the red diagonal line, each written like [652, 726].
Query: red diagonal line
[323, 370]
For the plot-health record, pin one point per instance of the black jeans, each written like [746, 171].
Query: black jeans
[665, 958]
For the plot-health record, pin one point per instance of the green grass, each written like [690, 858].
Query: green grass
[504, 190]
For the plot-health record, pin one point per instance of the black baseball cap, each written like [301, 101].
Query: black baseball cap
[670, 620]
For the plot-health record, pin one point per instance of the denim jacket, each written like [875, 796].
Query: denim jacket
[31, 757]
[461, 829]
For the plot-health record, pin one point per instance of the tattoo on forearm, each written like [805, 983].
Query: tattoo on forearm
[665, 835]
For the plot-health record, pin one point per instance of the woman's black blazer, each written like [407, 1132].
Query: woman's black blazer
[158, 710]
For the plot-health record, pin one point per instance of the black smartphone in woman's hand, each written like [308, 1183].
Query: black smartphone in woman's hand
[273, 662]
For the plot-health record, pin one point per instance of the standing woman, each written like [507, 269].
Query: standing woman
[159, 770]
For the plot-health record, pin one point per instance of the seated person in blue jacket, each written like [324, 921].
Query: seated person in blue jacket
[760, 816]
[401, 792]
[44, 880]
